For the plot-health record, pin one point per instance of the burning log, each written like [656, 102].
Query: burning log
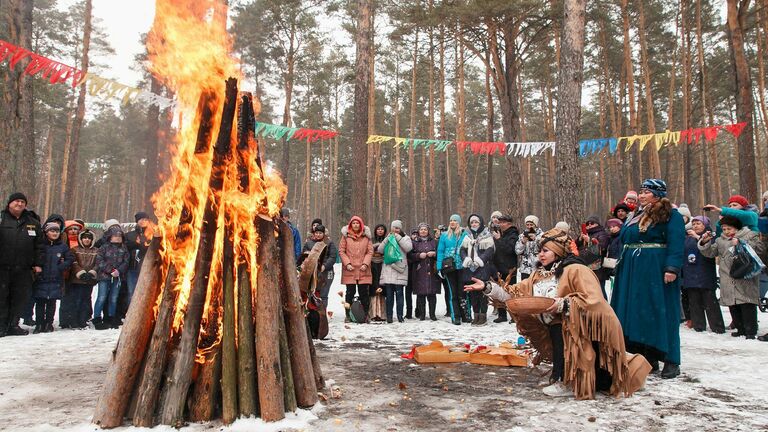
[179, 379]
[295, 324]
[209, 342]
[270, 380]
[131, 346]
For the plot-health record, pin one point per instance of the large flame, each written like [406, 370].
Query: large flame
[190, 52]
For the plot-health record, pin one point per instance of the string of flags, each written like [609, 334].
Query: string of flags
[58, 73]
[278, 132]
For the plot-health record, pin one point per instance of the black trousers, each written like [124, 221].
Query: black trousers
[15, 294]
[409, 300]
[704, 307]
[455, 293]
[376, 272]
[745, 318]
[75, 309]
[362, 293]
[446, 296]
[421, 302]
[45, 309]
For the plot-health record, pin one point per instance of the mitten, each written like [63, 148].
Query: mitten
[82, 275]
[467, 262]
[92, 274]
[479, 262]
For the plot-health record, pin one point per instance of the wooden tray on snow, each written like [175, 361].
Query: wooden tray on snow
[436, 352]
[499, 357]
[529, 304]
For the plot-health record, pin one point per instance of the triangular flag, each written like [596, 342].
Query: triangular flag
[736, 129]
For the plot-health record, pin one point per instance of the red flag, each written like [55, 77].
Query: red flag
[736, 129]
[462, 145]
[710, 133]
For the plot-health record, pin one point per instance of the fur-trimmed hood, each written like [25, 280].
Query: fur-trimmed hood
[366, 231]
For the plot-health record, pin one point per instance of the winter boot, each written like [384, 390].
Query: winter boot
[475, 318]
[432, 316]
[15, 330]
[100, 324]
[38, 329]
[466, 316]
[502, 316]
[670, 370]
[456, 321]
[482, 319]
[48, 328]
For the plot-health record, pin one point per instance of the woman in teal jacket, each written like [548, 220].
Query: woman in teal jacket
[448, 249]
[646, 294]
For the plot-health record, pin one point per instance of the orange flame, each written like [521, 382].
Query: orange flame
[190, 52]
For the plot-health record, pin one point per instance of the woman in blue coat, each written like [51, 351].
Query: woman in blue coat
[646, 294]
[449, 266]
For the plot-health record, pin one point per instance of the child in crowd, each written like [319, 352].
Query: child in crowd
[50, 282]
[700, 280]
[82, 278]
[111, 265]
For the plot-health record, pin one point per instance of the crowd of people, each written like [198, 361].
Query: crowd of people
[42, 263]
[664, 267]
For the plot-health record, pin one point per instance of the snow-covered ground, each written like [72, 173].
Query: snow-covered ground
[50, 382]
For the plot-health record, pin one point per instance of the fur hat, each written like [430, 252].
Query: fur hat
[731, 221]
[16, 196]
[532, 218]
[557, 241]
[738, 199]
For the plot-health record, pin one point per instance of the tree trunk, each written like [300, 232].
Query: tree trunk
[654, 166]
[411, 203]
[461, 159]
[362, 83]
[570, 78]
[152, 139]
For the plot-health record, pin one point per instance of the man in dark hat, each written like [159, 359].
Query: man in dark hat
[137, 242]
[505, 258]
[21, 255]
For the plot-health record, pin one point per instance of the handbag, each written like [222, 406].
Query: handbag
[449, 265]
[746, 264]
[610, 263]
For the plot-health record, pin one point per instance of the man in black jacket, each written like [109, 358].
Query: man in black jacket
[137, 242]
[21, 254]
[505, 258]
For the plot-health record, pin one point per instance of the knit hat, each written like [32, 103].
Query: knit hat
[456, 218]
[316, 221]
[621, 206]
[285, 212]
[109, 223]
[474, 218]
[562, 225]
[51, 226]
[593, 219]
[738, 199]
[731, 221]
[703, 219]
[319, 228]
[16, 196]
[141, 215]
[630, 194]
[614, 222]
[655, 186]
[115, 230]
[532, 218]
[557, 241]
[423, 225]
[396, 224]
[497, 214]
[684, 211]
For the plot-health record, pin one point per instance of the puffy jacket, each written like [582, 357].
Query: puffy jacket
[21, 240]
[111, 256]
[734, 291]
[698, 270]
[57, 259]
[356, 250]
[397, 272]
[85, 262]
[448, 246]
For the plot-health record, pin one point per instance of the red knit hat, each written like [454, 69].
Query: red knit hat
[738, 199]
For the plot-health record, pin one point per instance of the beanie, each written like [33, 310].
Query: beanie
[51, 226]
[704, 220]
[685, 212]
[16, 196]
[109, 223]
[497, 214]
[562, 225]
[532, 218]
[396, 224]
[630, 194]
[614, 222]
[738, 199]
[593, 219]
[141, 215]
[317, 221]
[455, 218]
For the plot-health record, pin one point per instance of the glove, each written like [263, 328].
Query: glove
[479, 262]
[82, 275]
[92, 275]
[467, 262]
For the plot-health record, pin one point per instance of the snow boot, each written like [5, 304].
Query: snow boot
[15, 330]
[482, 319]
[432, 307]
[48, 328]
[670, 370]
[38, 329]
[502, 316]
[100, 324]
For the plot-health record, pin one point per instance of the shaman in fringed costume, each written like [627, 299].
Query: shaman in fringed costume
[583, 337]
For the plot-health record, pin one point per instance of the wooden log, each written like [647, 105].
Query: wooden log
[228, 351]
[132, 344]
[246, 353]
[289, 392]
[270, 378]
[205, 394]
[179, 375]
[304, 379]
[319, 379]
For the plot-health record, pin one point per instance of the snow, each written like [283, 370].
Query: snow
[50, 382]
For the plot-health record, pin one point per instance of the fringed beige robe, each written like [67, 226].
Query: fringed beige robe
[590, 319]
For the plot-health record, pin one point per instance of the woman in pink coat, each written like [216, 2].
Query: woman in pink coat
[355, 251]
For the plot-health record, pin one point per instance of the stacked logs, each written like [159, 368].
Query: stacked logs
[253, 355]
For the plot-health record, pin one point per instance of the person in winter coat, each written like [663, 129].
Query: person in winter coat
[356, 251]
[378, 310]
[285, 215]
[736, 208]
[614, 247]
[646, 292]
[476, 254]
[740, 295]
[50, 282]
[699, 279]
[630, 199]
[30, 308]
[21, 256]
[596, 236]
[137, 241]
[326, 275]
[527, 246]
[409, 286]
[425, 282]
[111, 265]
[579, 333]
[394, 275]
[109, 223]
[505, 257]
[72, 230]
[75, 308]
[449, 267]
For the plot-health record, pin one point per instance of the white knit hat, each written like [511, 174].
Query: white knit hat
[109, 223]
[532, 218]
[496, 214]
[563, 226]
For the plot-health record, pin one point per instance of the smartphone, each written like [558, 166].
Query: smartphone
[584, 228]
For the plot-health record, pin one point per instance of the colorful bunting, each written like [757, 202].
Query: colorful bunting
[284, 132]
